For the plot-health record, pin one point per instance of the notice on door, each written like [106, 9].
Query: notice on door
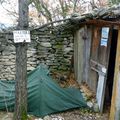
[21, 36]
[104, 36]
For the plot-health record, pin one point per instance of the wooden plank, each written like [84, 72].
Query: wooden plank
[100, 91]
[82, 47]
[101, 23]
[95, 43]
[104, 51]
[86, 53]
[117, 115]
[94, 63]
[93, 76]
[101, 85]
[75, 53]
[78, 54]
[102, 55]
[101, 70]
[103, 59]
[115, 109]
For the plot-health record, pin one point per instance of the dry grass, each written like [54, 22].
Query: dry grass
[87, 91]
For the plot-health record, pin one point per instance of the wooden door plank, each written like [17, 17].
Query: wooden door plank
[86, 53]
[100, 91]
[93, 76]
[78, 55]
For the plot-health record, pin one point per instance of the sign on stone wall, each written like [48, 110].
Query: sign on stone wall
[21, 36]
[48, 49]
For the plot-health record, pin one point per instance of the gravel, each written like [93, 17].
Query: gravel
[75, 114]
[82, 115]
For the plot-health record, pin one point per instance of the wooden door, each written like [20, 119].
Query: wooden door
[100, 50]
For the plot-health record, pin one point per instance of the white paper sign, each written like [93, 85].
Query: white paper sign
[104, 36]
[21, 36]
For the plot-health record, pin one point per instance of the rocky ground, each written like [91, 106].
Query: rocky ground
[82, 115]
[76, 114]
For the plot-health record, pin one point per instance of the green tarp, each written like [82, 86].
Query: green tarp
[45, 96]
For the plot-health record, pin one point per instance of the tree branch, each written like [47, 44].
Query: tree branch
[45, 25]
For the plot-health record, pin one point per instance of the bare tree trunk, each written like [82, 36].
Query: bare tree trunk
[21, 83]
[20, 111]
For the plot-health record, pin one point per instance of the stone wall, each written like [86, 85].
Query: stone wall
[49, 46]
[7, 62]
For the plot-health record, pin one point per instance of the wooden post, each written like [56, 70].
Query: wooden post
[21, 67]
[115, 105]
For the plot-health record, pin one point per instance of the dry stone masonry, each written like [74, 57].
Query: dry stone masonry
[49, 46]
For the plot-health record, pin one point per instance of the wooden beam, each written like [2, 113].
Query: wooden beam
[101, 23]
[115, 104]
